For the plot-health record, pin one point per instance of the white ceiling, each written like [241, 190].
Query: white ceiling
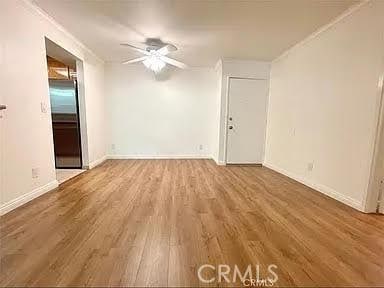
[203, 30]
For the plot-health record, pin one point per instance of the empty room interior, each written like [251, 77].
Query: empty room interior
[175, 143]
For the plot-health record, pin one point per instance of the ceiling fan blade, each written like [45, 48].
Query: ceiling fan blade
[166, 49]
[135, 60]
[163, 50]
[173, 62]
[136, 48]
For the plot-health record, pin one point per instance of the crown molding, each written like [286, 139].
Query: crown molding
[33, 7]
[322, 29]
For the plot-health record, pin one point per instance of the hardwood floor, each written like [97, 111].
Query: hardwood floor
[154, 222]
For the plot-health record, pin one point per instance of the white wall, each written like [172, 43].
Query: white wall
[168, 118]
[216, 131]
[324, 106]
[95, 106]
[27, 133]
[241, 69]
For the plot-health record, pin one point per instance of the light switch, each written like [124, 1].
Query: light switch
[43, 107]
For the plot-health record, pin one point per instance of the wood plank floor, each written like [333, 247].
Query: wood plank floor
[154, 222]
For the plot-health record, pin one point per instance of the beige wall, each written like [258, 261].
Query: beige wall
[324, 106]
[26, 132]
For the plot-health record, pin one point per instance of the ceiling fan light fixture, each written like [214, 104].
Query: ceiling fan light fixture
[155, 58]
[154, 63]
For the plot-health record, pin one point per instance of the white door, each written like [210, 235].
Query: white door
[2, 139]
[381, 195]
[2, 133]
[246, 123]
[379, 173]
[381, 177]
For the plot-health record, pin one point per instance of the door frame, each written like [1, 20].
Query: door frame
[228, 78]
[373, 194]
[80, 103]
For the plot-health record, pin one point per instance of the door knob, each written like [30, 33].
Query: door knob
[230, 127]
[3, 107]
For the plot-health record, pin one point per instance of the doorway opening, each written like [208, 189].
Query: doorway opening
[66, 111]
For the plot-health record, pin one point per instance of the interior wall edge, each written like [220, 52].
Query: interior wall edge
[21, 200]
[319, 187]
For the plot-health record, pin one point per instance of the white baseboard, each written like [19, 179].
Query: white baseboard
[221, 163]
[93, 164]
[13, 204]
[159, 157]
[9, 206]
[319, 187]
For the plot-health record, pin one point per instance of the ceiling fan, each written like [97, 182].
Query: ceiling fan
[155, 55]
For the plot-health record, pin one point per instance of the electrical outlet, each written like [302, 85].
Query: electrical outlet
[201, 147]
[310, 166]
[113, 147]
[35, 173]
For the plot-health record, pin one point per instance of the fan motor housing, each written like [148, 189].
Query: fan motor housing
[156, 43]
